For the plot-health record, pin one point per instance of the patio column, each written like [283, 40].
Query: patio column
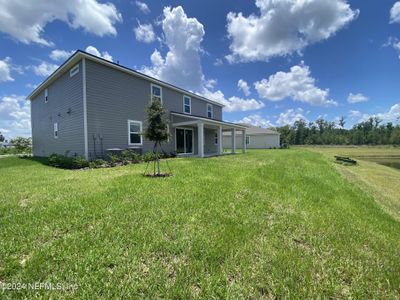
[220, 140]
[233, 140]
[244, 141]
[200, 139]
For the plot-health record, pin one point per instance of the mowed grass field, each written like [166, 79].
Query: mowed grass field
[382, 182]
[266, 224]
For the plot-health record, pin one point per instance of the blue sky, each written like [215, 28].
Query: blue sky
[270, 62]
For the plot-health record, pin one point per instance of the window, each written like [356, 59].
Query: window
[156, 93]
[56, 130]
[46, 95]
[247, 140]
[74, 70]
[135, 132]
[209, 111]
[216, 138]
[187, 105]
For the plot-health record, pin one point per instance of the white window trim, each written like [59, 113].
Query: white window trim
[212, 111]
[184, 141]
[140, 133]
[74, 70]
[151, 92]
[247, 137]
[216, 139]
[190, 105]
[46, 95]
[55, 129]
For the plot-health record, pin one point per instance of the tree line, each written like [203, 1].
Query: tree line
[321, 132]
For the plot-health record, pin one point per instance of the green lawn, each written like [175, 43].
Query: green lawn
[278, 223]
[381, 182]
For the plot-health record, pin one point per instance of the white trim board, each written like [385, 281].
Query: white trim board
[85, 125]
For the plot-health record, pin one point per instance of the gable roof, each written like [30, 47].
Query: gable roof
[79, 54]
[254, 130]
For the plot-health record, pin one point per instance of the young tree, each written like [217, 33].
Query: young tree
[2, 138]
[157, 129]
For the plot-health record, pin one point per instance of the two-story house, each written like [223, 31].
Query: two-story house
[89, 106]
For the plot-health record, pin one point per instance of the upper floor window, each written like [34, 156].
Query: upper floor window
[209, 111]
[46, 95]
[74, 70]
[156, 93]
[135, 132]
[187, 105]
[55, 128]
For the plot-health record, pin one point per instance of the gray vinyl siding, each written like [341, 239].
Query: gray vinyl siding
[114, 97]
[264, 141]
[261, 141]
[65, 94]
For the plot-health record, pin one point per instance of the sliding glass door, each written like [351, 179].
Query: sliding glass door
[184, 141]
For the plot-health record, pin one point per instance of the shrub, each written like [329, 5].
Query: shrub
[113, 159]
[135, 157]
[65, 162]
[80, 162]
[149, 156]
[8, 151]
[126, 157]
[98, 163]
[23, 145]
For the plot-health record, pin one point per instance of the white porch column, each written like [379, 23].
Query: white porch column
[200, 139]
[220, 140]
[244, 141]
[233, 140]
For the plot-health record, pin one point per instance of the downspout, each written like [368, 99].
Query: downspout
[85, 129]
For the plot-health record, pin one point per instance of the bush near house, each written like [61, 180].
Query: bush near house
[79, 162]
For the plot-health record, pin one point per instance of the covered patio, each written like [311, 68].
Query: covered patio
[203, 137]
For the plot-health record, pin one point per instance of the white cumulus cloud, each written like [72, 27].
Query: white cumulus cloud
[256, 120]
[15, 116]
[395, 13]
[44, 69]
[60, 55]
[392, 115]
[244, 87]
[297, 84]
[394, 43]
[356, 98]
[290, 116]
[26, 20]
[143, 7]
[5, 70]
[93, 50]
[234, 103]
[181, 65]
[284, 27]
[354, 113]
[145, 33]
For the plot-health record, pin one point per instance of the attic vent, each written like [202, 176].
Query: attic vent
[74, 71]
